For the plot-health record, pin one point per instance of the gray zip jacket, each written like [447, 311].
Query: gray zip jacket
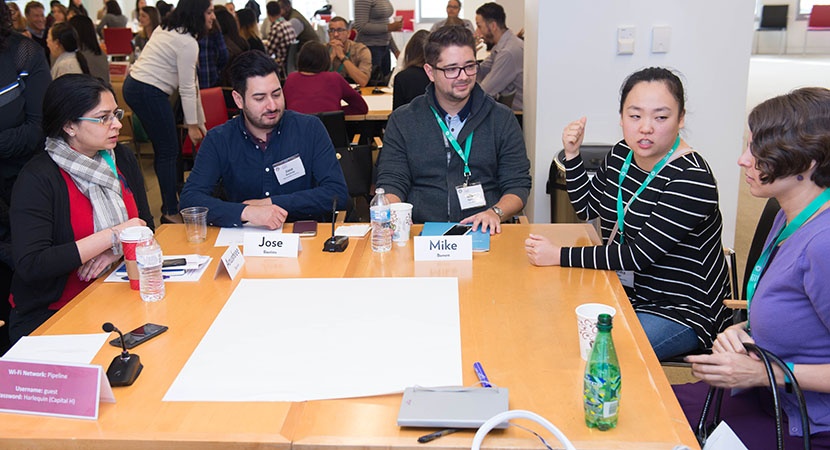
[421, 168]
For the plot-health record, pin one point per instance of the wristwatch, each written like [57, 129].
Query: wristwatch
[498, 211]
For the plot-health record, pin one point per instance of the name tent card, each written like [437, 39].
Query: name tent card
[61, 390]
[267, 244]
[444, 248]
[231, 262]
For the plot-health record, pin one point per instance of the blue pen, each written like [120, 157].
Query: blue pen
[482, 377]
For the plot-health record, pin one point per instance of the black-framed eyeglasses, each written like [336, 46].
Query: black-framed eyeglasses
[452, 73]
[337, 30]
[106, 119]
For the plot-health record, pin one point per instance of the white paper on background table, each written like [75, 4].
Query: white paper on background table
[309, 339]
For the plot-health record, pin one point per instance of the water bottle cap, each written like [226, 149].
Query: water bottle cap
[379, 191]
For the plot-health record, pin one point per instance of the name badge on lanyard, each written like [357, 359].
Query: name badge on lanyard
[470, 195]
[289, 169]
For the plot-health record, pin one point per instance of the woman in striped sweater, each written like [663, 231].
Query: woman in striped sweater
[657, 202]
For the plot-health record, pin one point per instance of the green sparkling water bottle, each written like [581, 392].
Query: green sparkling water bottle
[602, 383]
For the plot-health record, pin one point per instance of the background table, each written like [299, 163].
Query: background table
[518, 320]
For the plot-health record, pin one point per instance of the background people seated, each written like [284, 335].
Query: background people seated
[787, 158]
[667, 247]
[453, 8]
[350, 59]
[71, 201]
[148, 19]
[113, 18]
[412, 81]
[486, 179]
[248, 29]
[313, 89]
[88, 46]
[275, 166]
[501, 73]
[63, 46]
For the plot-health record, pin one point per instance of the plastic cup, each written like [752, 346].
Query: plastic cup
[586, 325]
[130, 238]
[195, 223]
[401, 222]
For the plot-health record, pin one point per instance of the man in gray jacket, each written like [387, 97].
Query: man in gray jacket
[454, 153]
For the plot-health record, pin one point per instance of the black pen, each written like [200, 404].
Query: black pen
[433, 436]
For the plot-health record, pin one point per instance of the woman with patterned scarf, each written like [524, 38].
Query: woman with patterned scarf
[71, 202]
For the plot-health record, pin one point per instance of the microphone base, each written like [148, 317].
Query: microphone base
[336, 244]
[124, 373]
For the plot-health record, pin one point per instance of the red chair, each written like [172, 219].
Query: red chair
[216, 113]
[819, 21]
[119, 41]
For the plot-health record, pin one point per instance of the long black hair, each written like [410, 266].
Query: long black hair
[87, 38]
[67, 98]
[188, 17]
[67, 37]
[6, 27]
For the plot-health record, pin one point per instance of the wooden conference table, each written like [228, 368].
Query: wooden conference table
[518, 320]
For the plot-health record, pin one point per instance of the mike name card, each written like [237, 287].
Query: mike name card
[60, 390]
[444, 248]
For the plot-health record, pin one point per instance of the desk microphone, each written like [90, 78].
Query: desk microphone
[335, 244]
[376, 83]
[124, 368]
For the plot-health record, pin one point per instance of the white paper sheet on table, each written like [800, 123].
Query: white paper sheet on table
[190, 272]
[352, 230]
[378, 102]
[309, 339]
[236, 236]
[68, 348]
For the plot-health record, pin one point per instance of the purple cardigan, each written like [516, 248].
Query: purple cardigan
[790, 314]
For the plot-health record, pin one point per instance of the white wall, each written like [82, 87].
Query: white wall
[572, 66]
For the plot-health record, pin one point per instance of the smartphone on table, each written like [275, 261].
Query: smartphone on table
[458, 230]
[139, 335]
[305, 228]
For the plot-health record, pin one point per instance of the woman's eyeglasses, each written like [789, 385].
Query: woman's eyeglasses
[106, 119]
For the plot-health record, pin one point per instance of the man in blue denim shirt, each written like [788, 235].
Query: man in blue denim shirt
[274, 166]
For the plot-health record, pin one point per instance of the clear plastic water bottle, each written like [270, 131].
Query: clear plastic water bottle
[602, 383]
[149, 259]
[381, 218]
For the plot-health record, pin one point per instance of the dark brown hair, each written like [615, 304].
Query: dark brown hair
[414, 52]
[444, 37]
[313, 57]
[791, 131]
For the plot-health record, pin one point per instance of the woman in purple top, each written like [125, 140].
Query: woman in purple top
[788, 158]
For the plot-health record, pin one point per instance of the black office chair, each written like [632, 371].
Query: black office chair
[774, 18]
[355, 161]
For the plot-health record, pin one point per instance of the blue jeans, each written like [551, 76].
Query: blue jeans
[152, 106]
[667, 337]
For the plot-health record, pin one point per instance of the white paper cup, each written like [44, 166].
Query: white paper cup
[586, 325]
[195, 223]
[401, 222]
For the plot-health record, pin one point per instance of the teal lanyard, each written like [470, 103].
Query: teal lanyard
[785, 232]
[624, 171]
[108, 158]
[465, 155]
